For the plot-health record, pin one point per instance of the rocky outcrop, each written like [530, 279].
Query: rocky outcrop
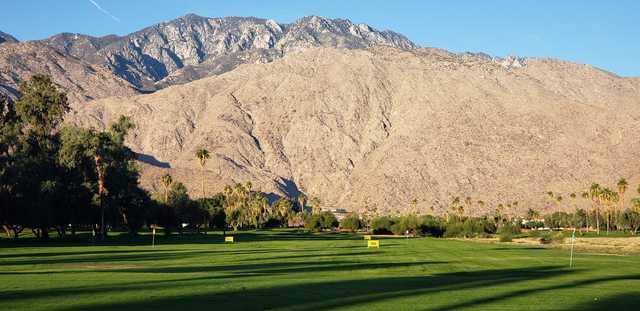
[192, 47]
[384, 126]
[5, 37]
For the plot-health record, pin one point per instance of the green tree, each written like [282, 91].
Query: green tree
[352, 222]
[38, 116]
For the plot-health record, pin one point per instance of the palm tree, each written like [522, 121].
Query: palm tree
[467, 204]
[166, 181]
[414, 206]
[315, 205]
[481, 205]
[301, 200]
[456, 207]
[532, 214]
[227, 191]
[622, 188]
[203, 155]
[585, 195]
[595, 193]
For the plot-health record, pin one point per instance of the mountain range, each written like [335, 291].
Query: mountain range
[340, 111]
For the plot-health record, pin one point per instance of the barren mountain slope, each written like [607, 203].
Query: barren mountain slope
[81, 81]
[384, 126]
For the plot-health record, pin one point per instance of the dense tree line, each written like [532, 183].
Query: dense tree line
[55, 176]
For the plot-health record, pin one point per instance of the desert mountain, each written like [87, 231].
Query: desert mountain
[82, 81]
[192, 47]
[384, 126]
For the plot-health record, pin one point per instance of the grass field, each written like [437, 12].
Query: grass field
[287, 270]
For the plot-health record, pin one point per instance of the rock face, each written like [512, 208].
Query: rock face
[5, 37]
[384, 126]
[192, 47]
[82, 81]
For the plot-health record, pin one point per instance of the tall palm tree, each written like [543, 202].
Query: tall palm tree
[457, 207]
[595, 193]
[166, 181]
[622, 188]
[414, 206]
[315, 205]
[467, 204]
[301, 200]
[227, 191]
[203, 155]
[611, 199]
[585, 195]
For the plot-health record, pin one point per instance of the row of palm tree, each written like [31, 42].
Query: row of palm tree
[603, 199]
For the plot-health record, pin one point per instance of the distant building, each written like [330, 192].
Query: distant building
[340, 213]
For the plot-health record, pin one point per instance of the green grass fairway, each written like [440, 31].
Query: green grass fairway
[286, 270]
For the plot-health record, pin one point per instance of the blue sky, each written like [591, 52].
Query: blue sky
[603, 33]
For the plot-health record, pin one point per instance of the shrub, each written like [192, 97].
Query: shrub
[533, 224]
[510, 228]
[313, 222]
[317, 222]
[471, 227]
[352, 223]
[551, 237]
[329, 220]
[453, 229]
[432, 226]
[381, 225]
[405, 224]
[506, 237]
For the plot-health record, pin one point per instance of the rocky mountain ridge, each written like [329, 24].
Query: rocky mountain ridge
[192, 47]
[5, 37]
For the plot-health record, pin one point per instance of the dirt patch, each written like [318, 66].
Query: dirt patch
[619, 246]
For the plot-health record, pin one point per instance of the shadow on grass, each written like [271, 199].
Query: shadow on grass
[311, 295]
[626, 301]
[124, 239]
[113, 256]
[215, 272]
[345, 293]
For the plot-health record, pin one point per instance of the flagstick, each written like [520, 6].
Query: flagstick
[153, 238]
[573, 239]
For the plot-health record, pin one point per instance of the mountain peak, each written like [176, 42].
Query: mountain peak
[5, 37]
[192, 46]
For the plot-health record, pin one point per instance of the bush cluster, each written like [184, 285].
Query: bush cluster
[470, 227]
[351, 223]
[321, 221]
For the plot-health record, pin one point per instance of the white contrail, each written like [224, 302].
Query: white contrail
[104, 11]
